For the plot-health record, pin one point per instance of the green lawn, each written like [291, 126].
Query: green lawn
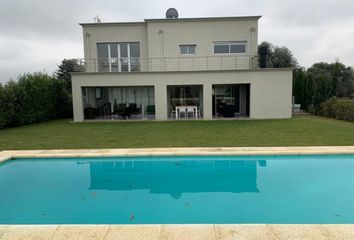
[62, 134]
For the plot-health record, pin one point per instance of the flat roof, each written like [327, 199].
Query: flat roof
[205, 19]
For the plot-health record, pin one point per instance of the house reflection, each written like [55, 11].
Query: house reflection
[176, 177]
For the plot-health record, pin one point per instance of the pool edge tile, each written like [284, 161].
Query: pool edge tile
[187, 232]
[30, 232]
[179, 231]
[299, 231]
[80, 232]
[136, 232]
[340, 231]
[243, 231]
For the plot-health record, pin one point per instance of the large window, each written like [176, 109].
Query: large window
[233, 47]
[187, 49]
[118, 57]
[184, 96]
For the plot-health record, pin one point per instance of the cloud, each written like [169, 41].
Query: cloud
[37, 34]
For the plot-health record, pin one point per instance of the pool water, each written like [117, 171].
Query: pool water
[166, 190]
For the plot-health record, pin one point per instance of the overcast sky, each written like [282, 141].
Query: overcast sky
[35, 35]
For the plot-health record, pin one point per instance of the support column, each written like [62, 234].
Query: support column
[160, 102]
[78, 109]
[207, 101]
[253, 103]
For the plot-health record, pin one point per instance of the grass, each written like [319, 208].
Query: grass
[62, 134]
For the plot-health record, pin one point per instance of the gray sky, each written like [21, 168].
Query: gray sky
[35, 35]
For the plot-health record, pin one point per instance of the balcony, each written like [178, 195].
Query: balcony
[169, 64]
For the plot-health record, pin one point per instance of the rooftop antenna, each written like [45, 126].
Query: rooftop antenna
[97, 19]
[171, 13]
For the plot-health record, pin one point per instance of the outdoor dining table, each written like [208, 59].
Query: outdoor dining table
[186, 109]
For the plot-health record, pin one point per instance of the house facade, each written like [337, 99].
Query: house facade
[178, 68]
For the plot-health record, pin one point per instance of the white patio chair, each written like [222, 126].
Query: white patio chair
[190, 112]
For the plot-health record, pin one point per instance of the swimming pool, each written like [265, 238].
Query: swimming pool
[166, 190]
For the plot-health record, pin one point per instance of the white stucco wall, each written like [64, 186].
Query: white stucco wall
[161, 38]
[202, 33]
[108, 33]
[270, 89]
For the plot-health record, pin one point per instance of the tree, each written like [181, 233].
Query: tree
[8, 101]
[282, 57]
[341, 77]
[345, 82]
[279, 57]
[66, 67]
[270, 48]
[63, 99]
[335, 78]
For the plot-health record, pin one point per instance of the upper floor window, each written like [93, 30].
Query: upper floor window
[118, 57]
[230, 47]
[187, 49]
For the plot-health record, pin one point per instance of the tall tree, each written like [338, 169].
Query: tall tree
[335, 78]
[66, 67]
[279, 57]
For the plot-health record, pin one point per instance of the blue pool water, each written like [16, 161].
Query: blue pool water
[256, 189]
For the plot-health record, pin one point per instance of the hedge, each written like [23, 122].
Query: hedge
[339, 108]
[33, 98]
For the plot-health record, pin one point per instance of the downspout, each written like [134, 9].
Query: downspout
[162, 54]
[253, 48]
[88, 56]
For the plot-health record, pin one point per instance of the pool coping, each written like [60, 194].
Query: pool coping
[205, 151]
[178, 231]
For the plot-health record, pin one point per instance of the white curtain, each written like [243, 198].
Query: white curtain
[139, 95]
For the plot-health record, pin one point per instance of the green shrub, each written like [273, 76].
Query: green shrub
[33, 98]
[339, 108]
[344, 109]
[8, 99]
[326, 108]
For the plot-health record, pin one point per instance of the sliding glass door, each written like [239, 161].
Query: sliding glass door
[231, 100]
[118, 57]
[184, 96]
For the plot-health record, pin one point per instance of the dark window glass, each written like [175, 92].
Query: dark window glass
[184, 50]
[238, 48]
[134, 50]
[187, 49]
[221, 48]
[114, 57]
[102, 50]
[123, 50]
[124, 57]
[134, 57]
[102, 53]
[191, 49]
[230, 47]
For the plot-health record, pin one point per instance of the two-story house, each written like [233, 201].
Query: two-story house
[178, 68]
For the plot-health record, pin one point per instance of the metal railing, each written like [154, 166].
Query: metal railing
[168, 64]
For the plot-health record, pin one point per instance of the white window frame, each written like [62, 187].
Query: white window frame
[229, 43]
[188, 45]
[119, 55]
